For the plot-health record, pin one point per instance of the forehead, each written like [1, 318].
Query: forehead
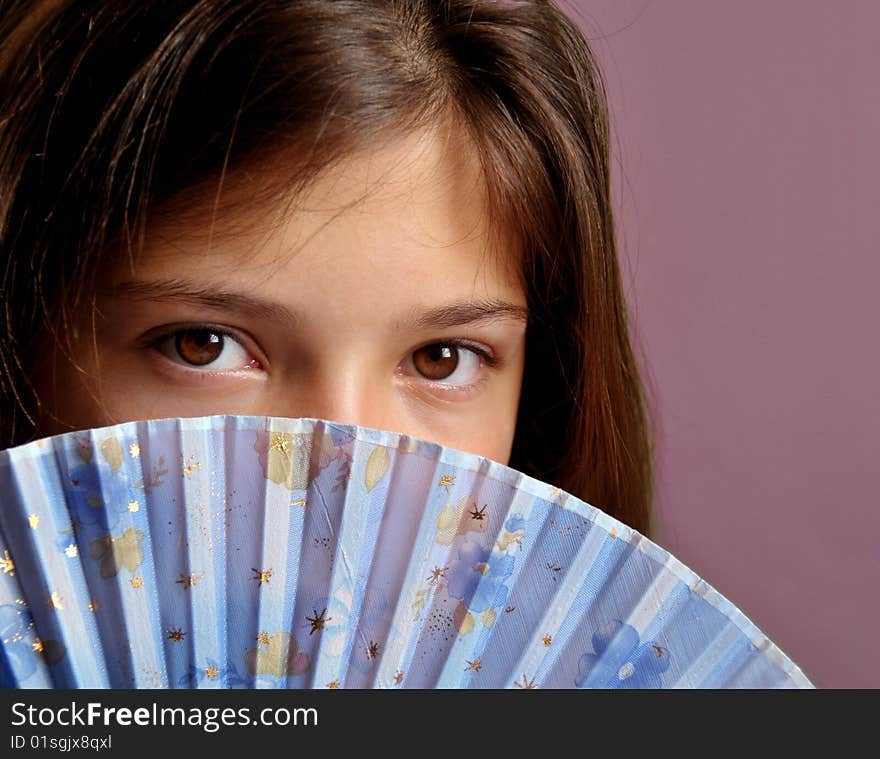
[423, 191]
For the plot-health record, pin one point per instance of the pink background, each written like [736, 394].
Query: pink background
[745, 142]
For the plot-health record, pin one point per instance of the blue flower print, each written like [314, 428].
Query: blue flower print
[620, 660]
[86, 504]
[492, 592]
[466, 571]
[477, 577]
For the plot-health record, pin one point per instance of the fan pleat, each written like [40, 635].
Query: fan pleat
[404, 564]
[399, 499]
[117, 557]
[477, 659]
[39, 589]
[358, 528]
[266, 565]
[584, 568]
[713, 663]
[314, 512]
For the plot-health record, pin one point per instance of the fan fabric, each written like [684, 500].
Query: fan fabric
[263, 552]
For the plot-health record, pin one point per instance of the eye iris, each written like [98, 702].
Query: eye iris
[199, 346]
[436, 362]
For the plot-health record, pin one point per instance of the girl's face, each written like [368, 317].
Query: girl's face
[374, 302]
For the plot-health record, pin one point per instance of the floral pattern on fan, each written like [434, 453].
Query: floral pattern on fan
[472, 568]
[620, 660]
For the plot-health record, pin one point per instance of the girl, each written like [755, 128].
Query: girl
[393, 213]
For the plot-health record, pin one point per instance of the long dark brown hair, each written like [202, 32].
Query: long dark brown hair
[110, 110]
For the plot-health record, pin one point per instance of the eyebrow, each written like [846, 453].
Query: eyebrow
[221, 299]
[202, 296]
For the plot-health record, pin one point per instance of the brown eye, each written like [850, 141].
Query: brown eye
[436, 362]
[198, 347]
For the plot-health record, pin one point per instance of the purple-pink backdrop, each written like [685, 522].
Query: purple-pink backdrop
[745, 151]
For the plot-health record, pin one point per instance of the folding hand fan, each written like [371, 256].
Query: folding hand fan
[261, 552]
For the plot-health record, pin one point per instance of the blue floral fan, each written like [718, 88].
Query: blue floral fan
[261, 552]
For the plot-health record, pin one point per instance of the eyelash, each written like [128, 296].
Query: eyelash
[156, 342]
[485, 356]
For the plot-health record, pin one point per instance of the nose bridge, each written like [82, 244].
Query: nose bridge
[346, 392]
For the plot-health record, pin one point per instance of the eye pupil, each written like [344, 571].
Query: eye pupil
[199, 346]
[436, 362]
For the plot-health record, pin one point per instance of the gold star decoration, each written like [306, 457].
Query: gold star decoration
[526, 684]
[188, 580]
[137, 582]
[372, 650]
[37, 646]
[478, 514]
[133, 506]
[6, 564]
[333, 685]
[55, 600]
[318, 621]
[548, 639]
[398, 677]
[263, 638]
[190, 465]
[94, 605]
[437, 574]
[474, 666]
[34, 520]
[446, 481]
[261, 575]
[71, 551]
[177, 635]
[280, 444]
[212, 672]
[134, 450]
[613, 533]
